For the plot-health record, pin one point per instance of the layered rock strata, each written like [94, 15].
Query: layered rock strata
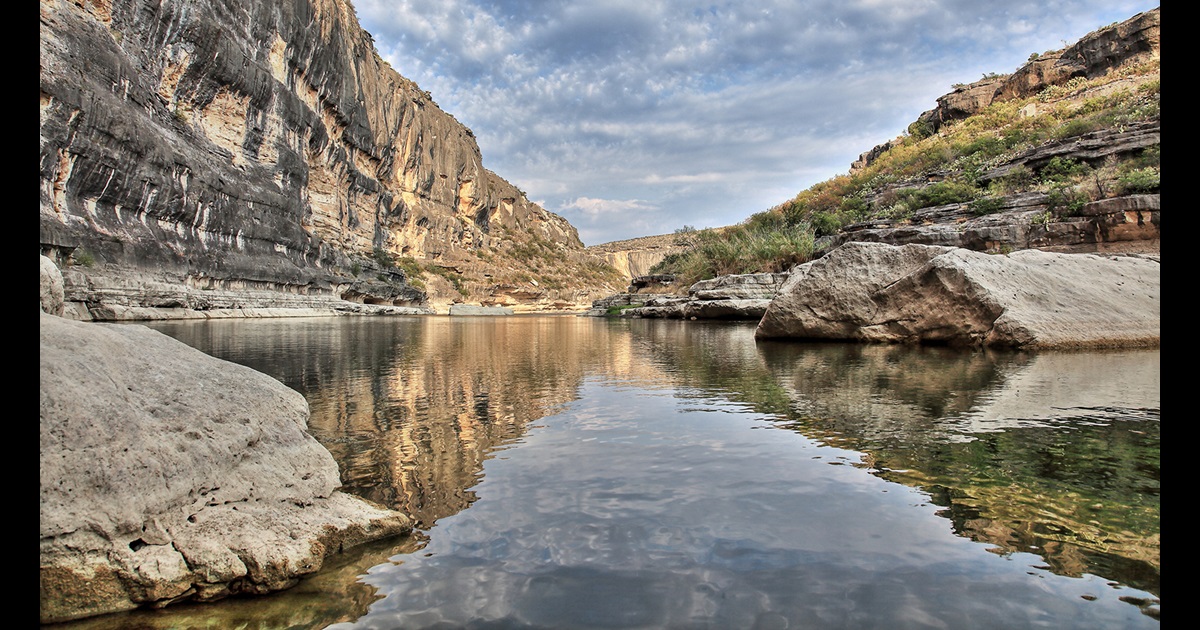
[265, 145]
[873, 292]
[168, 475]
[468, 309]
[1131, 223]
[1097, 54]
[637, 256]
[652, 283]
[737, 296]
[129, 295]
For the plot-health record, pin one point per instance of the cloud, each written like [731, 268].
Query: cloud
[596, 208]
[692, 112]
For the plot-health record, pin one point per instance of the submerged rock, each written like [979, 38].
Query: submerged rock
[930, 294]
[170, 475]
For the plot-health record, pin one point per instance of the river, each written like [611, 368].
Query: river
[572, 472]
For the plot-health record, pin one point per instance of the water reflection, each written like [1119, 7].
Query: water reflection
[1053, 453]
[629, 482]
[411, 407]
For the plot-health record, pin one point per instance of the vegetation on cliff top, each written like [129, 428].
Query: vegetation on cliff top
[923, 168]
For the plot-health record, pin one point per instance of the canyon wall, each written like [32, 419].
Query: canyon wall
[637, 256]
[263, 145]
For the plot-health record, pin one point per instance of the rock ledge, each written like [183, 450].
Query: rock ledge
[875, 292]
[169, 475]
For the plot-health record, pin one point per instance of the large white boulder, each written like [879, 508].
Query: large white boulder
[51, 287]
[169, 475]
[875, 292]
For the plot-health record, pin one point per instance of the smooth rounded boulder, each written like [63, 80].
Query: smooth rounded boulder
[873, 292]
[170, 475]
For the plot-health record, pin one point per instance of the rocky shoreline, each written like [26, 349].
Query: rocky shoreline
[168, 475]
[1067, 298]
[925, 294]
[220, 186]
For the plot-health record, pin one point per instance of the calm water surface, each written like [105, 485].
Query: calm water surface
[570, 472]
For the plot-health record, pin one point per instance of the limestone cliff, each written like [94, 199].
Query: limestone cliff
[1102, 52]
[637, 256]
[255, 144]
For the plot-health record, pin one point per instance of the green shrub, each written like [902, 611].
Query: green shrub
[1018, 179]
[1147, 157]
[1078, 127]
[920, 129]
[1065, 201]
[409, 266]
[1023, 136]
[451, 276]
[989, 146]
[898, 211]
[83, 258]
[1060, 169]
[853, 208]
[825, 223]
[986, 205]
[947, 192]
[1142, 180]
[937, 194]
[794, 213]
[383, 258]
[766, 221]
[760, 245]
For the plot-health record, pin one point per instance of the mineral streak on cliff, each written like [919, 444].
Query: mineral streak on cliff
[266, 144]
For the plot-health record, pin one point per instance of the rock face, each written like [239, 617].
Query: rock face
[468, 309]
[112, 294]
[636, 256]
[653, 283]
[746, 286]
[1095, 55]
[51, 287]
[874, 292]
[169, 475]
[1023, 221]
[737, 296]
[1091, 148]
[266, 146]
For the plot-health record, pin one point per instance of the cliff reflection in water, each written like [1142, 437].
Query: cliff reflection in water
[1054, 454]
[411, 407]
[412, 429]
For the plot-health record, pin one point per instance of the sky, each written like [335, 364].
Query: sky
[635, 118]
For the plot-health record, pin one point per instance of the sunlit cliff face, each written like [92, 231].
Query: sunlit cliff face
[270, 144]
